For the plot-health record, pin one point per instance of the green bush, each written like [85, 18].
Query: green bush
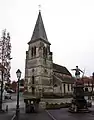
[57, 106]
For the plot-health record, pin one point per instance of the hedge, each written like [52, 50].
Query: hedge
[57, 106]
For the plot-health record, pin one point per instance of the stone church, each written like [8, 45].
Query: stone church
[41, 74]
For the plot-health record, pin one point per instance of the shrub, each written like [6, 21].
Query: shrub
[57, 106]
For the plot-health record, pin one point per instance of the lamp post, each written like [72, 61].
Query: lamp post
[17, 107]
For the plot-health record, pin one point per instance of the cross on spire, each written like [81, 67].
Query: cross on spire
[39, 8]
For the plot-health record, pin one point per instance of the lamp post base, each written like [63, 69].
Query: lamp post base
[17, 114]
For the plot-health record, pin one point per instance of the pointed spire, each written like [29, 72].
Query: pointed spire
[39, 30]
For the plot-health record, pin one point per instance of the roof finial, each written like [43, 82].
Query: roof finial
[39, 8]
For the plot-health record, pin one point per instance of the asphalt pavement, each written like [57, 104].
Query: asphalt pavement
[11, 107]
[41, 115]
[6, 116]
[59, 114]
[63, 114]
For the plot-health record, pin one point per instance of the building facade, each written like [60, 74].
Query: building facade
[41, 74]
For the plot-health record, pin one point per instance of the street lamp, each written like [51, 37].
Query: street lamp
[17, 107]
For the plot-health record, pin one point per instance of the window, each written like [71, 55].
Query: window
[44, 51]
[68, 87]
[32, 70]
[45, 71]
[71, 86]
[86, 89]
[64, 89]
[32, 79]
[34, 51]
[33, 90]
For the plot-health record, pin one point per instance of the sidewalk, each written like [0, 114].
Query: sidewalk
[41, 115]
[6, 116]
[10, 115]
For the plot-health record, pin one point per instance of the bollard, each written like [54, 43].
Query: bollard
[6, 108]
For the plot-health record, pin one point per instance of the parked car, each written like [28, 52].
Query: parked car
[5, 95]
[10, 91]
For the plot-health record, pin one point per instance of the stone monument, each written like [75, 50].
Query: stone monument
[78, 104]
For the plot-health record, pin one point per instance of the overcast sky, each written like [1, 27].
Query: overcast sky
[69, 26]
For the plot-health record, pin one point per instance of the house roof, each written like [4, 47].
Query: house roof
[87, 80]
[61, 69]
[66, 79]
[39, 32]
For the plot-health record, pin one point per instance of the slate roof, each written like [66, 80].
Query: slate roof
[39, 32]
[61, 69]
[63, 79]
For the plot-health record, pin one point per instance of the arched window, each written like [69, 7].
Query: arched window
[71, 86]
[86, 89]
[44, 51]
[35, 51]
[64, 89]
[48, 48]
[32, 51]
[33, 88]
[68, 87]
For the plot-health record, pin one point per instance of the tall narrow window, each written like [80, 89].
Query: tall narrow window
[44, 51]
[34, 51]
[32, 79]
[68, 87]
[64, 89]
[71, 86]
[33, 88]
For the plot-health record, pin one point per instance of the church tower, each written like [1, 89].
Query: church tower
[39, 62]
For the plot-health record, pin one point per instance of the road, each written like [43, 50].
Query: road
[42, 115]
[63, 114]
[60, 114]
